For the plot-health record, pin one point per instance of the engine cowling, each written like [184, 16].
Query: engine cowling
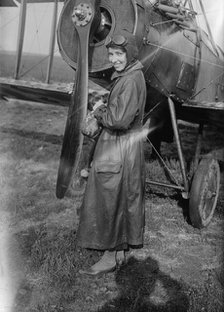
[112, 18]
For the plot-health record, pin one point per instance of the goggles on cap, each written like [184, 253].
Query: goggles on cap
[117, 40]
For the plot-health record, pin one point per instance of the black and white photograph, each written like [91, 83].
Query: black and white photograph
[111, 156]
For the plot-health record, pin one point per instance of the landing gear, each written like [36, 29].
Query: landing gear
[201, 185]
[204, 192]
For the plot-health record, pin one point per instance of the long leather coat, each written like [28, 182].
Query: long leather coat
[112, 214]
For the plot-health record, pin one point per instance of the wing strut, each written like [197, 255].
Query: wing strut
[21, 31]
[208, 27]
[52, 41]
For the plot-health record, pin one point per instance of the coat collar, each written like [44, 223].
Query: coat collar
[130, 68]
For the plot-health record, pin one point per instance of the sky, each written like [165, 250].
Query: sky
[38, 25]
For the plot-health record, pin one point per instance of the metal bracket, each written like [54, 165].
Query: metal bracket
[82, 14]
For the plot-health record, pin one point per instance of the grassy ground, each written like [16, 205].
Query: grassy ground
[179, 269]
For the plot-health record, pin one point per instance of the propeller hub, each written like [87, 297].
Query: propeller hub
[82, 14]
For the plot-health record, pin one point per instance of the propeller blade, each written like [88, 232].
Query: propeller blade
[82, 16]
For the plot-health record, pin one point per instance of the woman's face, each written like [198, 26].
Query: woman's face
[117, 58]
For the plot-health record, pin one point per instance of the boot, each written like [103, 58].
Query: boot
[120, 258]
[105, 265]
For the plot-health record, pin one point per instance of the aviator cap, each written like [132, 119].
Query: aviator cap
[125, 41]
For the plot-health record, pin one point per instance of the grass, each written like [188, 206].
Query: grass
[179, 269]
[53, 283]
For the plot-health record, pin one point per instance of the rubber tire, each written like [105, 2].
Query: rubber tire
[202, 203]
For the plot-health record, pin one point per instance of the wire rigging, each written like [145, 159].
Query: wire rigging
[163, 163]
[10, 21]
[152, 44]
[183, 54]
[37, 64]
[36, 37]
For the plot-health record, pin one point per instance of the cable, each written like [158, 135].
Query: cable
[10, 21]
[163, 162]
[183, 54]
[41, 61]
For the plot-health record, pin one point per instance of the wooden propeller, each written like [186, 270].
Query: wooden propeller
[83, 17]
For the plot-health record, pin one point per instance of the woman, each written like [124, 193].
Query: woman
[112, 215]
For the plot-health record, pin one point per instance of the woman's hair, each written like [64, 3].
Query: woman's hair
[126, 42]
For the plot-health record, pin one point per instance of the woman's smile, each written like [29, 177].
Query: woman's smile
[118, 58]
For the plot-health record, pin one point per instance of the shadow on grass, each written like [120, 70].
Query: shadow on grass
[34, 135]
[144, 288]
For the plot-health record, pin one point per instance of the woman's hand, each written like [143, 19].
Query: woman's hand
[90, 126]
[99, 111]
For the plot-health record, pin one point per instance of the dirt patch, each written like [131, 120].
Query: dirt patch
[180, 268]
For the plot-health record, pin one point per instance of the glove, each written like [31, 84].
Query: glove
[99, 111]
[90, 126]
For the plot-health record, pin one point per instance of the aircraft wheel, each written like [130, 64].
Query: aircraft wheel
[204, 192]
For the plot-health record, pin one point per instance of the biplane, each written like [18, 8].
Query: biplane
[184, 73]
